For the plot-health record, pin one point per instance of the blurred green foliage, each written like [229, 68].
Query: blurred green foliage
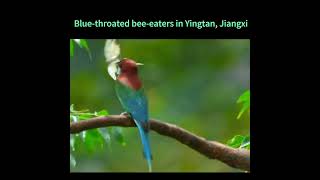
[194, 84]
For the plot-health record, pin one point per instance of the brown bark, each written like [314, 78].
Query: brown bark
[237, 158]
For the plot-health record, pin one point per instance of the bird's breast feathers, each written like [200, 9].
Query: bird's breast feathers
[133, 82]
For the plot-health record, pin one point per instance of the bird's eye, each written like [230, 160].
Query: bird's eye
[119, 64]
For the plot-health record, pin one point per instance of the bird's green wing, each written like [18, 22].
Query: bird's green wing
[134, 102]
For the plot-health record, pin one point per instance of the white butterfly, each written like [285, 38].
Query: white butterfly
[112, 55]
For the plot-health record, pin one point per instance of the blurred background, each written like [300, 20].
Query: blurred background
[191, 83]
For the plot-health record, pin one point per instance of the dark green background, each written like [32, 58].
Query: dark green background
[192, 83]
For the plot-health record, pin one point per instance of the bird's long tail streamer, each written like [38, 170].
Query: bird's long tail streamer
[146, 146]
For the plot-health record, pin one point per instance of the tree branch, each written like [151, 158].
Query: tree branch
[236, 158]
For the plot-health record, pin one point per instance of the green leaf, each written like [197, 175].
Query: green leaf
[236, 141]
[245, 145]
[83, 135]
[103, 113]
[73, 161]
[245, 99]
[117, 133]
[71, 107]
[248, 146]
[74, 118]
[83, 44]
[71, 48]
[72, 142]
[93, 140]
[245, 107]
[77, 41]
[246, 142]
[106, 136]
[84, 116]
[239, 141]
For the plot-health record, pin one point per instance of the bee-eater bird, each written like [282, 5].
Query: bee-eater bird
[131, 95]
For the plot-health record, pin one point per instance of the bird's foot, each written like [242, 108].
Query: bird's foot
[126, 114]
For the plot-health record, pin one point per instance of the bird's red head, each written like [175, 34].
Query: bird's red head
[128, 66]
[129, 73]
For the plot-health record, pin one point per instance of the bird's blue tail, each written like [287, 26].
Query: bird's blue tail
[146, 146]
